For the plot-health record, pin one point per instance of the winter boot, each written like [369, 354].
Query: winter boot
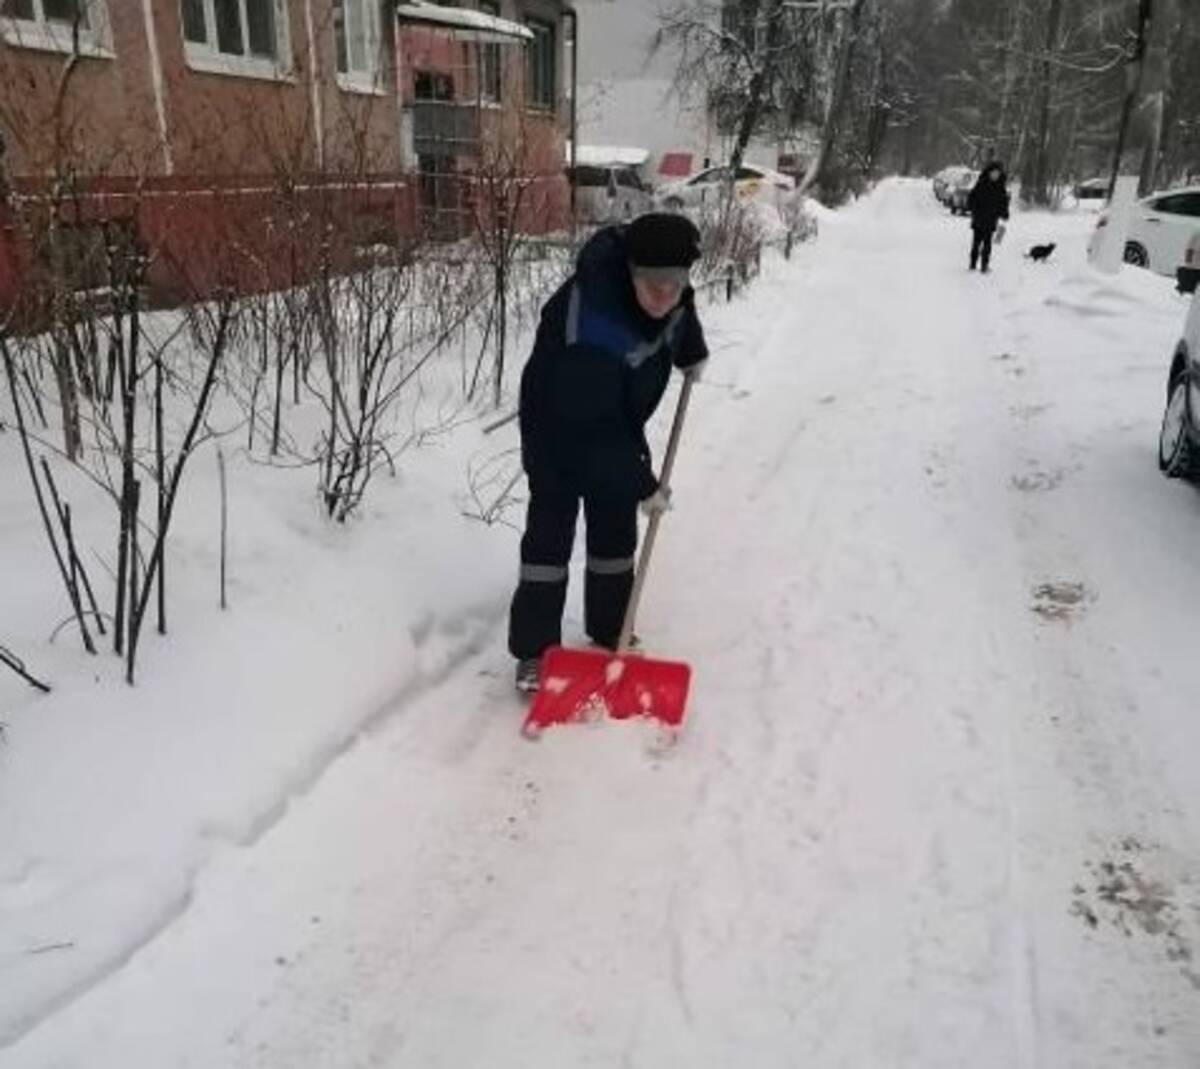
[635, 645]
[527, 675]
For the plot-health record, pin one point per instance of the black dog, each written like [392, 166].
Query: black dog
[1040, 252]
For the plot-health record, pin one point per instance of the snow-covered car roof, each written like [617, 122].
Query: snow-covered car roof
[609, 155]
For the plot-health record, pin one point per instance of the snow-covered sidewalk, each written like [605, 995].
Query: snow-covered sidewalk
[936, 805]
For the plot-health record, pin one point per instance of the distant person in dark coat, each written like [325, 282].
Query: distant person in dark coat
[988, 205]
[605, 347]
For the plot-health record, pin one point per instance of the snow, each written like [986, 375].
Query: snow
[935, 802]
[466, 24]
[609, 155]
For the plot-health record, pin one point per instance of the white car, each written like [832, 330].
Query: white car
[958, 191]
[1179, 439]
[945, 180]
[609, 193]
[1160, 227]
[752, 182]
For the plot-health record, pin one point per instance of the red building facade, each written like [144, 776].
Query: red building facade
[234, 140]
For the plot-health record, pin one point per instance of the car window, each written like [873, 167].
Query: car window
[628, 178]
[590, 177]
[1178, 204]
[1188, 204]
[743, 173]
[713, 174]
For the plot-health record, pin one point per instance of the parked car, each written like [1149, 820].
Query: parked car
[1179, 439]
[752, 182]
[940, 185]
[1160, 228]
[1091, 189]
[959, 190]
[609, 193]
[944, 180]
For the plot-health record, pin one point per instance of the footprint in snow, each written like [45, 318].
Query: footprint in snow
[1061, 601]
[1130, 890]
[1037, 481]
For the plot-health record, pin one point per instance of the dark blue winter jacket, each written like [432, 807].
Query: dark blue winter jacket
[598, 371]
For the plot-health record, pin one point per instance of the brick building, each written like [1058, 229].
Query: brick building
[230, 138]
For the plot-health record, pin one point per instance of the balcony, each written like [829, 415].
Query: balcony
[445, 128]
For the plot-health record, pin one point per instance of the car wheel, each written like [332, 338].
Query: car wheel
[1136, 254]
[1178, 457]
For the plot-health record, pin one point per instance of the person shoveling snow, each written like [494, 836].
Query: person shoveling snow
[605, 346]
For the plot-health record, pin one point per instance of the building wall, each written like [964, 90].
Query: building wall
[107, 115]
[237, 180]
[512, 134]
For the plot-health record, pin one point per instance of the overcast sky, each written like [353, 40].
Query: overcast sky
[614, 38]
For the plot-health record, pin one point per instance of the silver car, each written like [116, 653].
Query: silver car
[612, 193]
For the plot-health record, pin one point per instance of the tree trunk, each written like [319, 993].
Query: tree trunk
[1036, 187]
[837, 97]
[1134, 68]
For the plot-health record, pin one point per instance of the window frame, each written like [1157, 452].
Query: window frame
[207, 58]
[368, 81]
[42, 34]
[489, 56]
[543, 30]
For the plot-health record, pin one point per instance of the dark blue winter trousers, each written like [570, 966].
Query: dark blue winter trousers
[535, 620]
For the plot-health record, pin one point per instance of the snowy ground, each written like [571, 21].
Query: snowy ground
[937, 803]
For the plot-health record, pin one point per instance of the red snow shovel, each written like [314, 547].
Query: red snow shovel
[576, 685]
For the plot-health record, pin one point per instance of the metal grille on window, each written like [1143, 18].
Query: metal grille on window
[469, 152]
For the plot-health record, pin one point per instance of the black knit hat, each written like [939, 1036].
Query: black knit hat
[662, 239]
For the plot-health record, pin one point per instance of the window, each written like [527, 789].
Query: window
[543, 75]
[713, 174]
[1178, 204]
[356, 34]
[737, 25]
[628, 178]
[589, 177]
[489, 60]
[246, 37]
[433, 85]
[50, 25]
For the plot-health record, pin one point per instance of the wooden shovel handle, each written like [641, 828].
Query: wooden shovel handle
[643, 564]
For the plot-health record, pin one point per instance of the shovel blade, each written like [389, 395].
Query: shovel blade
[577, 685]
